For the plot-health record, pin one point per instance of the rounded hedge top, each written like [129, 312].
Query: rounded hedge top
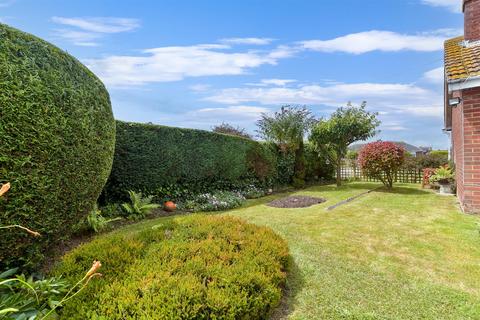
[57, 140]
[195, 267]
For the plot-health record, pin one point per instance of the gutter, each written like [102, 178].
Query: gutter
[462, 84]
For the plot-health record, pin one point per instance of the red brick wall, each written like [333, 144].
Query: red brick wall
[472, 19]
[466, 144]
[457, 146]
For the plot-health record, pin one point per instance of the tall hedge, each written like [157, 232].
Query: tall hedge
[168, 161]
[57, 141]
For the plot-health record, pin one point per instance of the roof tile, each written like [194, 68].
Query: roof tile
[461, 62]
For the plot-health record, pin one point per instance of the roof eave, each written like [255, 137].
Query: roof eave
[462, 84]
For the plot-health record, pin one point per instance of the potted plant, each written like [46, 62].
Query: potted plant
[444, 177]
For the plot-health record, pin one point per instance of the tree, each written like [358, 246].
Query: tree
[381, 160]
[346, 125]
[229, 129]
[287, 128]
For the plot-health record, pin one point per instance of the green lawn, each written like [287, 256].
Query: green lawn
[405, 254]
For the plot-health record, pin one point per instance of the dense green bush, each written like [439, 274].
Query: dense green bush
[57, 140]
[433, 159]
[318, 167]
[175, 163]
[285, 167]
[196, 267]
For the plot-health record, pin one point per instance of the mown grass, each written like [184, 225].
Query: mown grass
[404, 254]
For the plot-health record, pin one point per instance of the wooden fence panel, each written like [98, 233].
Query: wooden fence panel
[402, 176]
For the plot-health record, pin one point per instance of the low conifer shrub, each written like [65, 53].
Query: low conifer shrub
[195, 267]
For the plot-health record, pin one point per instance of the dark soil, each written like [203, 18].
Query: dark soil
[296, 202]
[58, 250]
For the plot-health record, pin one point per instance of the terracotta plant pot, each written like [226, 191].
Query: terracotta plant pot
[169, 206]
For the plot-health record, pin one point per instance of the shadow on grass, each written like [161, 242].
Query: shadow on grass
[294, 284]
[358, 185]
[404, 190]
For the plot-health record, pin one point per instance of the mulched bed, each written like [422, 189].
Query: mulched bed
[295, 202]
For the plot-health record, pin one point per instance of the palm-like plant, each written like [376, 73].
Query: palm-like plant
[287, 127]
[139, 206]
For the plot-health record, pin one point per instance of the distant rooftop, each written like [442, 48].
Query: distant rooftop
[408, 147]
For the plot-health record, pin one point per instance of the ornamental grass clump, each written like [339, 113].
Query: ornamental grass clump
[195, 267]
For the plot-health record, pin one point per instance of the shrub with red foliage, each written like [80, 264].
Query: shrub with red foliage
[427, 174]
[381, 160]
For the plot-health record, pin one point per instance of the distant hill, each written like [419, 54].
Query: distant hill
[408, 147]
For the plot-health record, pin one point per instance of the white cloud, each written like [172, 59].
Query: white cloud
[386, 98]
[200, 87]
[236, 113]
[283, 51]
[435, 76]
[86, 31]
[392, 125]
[277, 82]
[247, 41]
[79, 38]
[377, 40]
[242, 115]
[314, 93]
[272, 82]
[167, 64]
[452, 5]
[393, 128]
[99, 24]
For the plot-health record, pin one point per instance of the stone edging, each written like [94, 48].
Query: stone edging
[351, 199]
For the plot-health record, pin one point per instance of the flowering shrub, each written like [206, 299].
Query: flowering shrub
[217, 201]
[253, 192]
[427, 174]
[381, 160]
[195, 267]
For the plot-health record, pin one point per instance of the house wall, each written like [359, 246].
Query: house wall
[457, 145]
[466, 148]
[471, 9]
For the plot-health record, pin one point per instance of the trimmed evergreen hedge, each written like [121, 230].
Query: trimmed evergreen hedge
[174, 162]
[57, 140]
[195, 267]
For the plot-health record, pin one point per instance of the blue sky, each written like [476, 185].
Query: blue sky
[199, 63]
